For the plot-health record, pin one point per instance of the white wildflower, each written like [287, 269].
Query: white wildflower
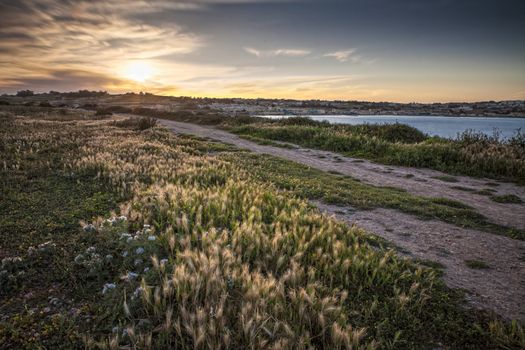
[89, 228]
[132, 275]
[79, 259]
[138, 292]
[107, 287]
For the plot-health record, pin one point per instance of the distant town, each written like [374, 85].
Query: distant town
[261, 106]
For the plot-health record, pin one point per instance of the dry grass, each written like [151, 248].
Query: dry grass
[203, 255]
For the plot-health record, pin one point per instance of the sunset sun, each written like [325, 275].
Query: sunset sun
[138, 71]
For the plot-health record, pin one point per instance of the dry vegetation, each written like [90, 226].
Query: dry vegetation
[199, 254]
[470, 153]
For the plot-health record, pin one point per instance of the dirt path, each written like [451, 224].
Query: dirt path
[500, 288]
[417, 181]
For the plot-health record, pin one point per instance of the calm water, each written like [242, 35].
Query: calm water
[432, 125]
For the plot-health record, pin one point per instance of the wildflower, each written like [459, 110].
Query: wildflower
[163, 262]
[109, 257]
[89, 228]
[107, 287]
[91, 250]
[146, 269]
[146, 226]
[139, 250]
[124, 253]
[138, 292]
[138, 262]
[46, 247]
[79, 259]
[132, 275]
[122, 218]
[124, 235]
[111, 221]
[115, 330]
[31, 250]
[129, 239]
[151, 238]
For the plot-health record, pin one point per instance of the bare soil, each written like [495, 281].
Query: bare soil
[499, 288]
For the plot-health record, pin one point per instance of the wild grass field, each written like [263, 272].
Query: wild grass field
[120, 234]
[471, 153]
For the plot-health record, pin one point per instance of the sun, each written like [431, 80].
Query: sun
[138, 71]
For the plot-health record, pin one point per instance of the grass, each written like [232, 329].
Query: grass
[266, 142]
[198, 254]
[507, 198]
[445, 178]
[343, 190]
[486, 191]
[472, 154]
[464, 189]
[477, 264]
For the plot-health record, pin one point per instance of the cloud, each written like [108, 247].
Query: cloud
[344, 55]
[278, 52]
[62, 79]
[41, 38]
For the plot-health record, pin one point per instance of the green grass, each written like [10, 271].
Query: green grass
[507, 198]
[471, 154]
[477, 264]
[486, 191]
[266, 142]
[246, 265]
[343, 190]
[445, 178]
[464, 189]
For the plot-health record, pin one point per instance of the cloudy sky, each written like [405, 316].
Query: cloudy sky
[394, 50]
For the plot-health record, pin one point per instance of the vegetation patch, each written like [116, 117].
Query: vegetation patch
[344, 190]
[477, 264]
[198, 254]
[463, 188]
[486, 191]
[471, 153]
[507, 198]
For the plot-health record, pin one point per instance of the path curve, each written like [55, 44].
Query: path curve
[500, 288]
[418, 181]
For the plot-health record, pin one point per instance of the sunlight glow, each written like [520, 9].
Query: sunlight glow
[138, 71]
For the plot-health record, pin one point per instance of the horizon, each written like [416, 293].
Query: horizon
[144, 93]
[400, 51]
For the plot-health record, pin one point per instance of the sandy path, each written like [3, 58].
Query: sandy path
[500, 288]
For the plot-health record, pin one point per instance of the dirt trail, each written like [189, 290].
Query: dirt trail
[500, 288]
[417, 181]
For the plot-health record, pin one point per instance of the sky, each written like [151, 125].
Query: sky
[373, 50]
